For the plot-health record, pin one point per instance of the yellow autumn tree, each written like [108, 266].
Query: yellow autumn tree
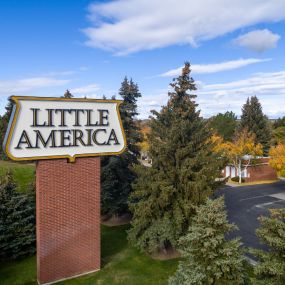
[241, 152]
[277, 158]
[144, 144]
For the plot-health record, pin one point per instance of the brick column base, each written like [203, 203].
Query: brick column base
[68, 218]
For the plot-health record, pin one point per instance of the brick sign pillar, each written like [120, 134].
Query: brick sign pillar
[68, 193]
[68, 218]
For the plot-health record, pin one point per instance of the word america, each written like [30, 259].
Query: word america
[67, 137]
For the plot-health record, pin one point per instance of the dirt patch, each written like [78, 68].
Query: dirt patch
[112, 221]
[166, 255]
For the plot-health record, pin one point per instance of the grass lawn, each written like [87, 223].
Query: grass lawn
[253, 183]
[23, 174]
[121, 264]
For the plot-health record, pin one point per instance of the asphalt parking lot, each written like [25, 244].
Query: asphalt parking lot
[246, 203]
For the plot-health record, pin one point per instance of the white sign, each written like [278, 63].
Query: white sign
[47, 128]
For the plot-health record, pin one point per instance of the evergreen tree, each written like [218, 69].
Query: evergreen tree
[280, 122]
[117, 174]
[279, 135]
[17, 221]
[9, 107]
[224, 125]
[129, 91]
[256, 122]
[116, 180]
[67, 94]
[183, 171]
[208, 257]
[4, 122]
[270, 269]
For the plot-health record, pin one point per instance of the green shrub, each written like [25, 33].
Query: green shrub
[210, 258]
[17, 221]
[236, 179]
[271, 266]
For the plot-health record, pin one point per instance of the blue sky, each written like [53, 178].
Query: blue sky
[236, 48]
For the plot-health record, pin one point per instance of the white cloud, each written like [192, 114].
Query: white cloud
[66, 72]
[10, 87]
[215, 67]
[153, 102]
[268, 87]
[230, 96]
[258, 40]
[256, 83]
[126, 26]
[60, 73]
[87, 90]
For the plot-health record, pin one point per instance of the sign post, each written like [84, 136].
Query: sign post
[66, 136]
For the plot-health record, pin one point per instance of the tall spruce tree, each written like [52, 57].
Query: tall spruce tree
[129, 92]
[17, 221]
[208, 257]
[256, 122]
[270, 268]
[117, 174]
[183, 171]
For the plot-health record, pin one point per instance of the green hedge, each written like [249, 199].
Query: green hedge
[236, 179]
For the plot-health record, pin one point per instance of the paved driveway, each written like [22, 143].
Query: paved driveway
[246, 203]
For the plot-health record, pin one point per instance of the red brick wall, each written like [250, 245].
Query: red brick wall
[68, 218]
[261, 172]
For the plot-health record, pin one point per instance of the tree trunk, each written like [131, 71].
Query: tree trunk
[239, 172]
